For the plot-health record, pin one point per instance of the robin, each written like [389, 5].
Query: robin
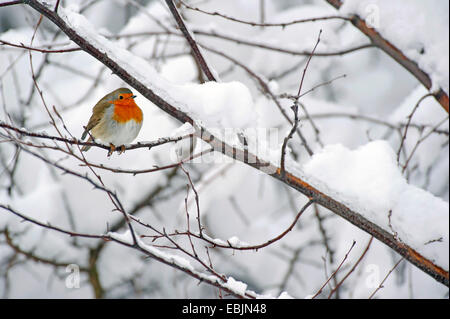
[115, 119]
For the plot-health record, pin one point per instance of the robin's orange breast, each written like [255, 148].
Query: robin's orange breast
[127, 112]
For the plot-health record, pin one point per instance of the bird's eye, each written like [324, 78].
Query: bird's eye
[121, 97]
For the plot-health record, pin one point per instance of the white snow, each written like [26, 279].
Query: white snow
[170, 258]
[125, 237]
[236, 242]
[218, 105]
[285, 295]
[369, 178]
[236, 286]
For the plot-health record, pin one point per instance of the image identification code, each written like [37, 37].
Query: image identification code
[230, 308]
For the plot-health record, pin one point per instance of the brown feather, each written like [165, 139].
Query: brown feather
[97, 113]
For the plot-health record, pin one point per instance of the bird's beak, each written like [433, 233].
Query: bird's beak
[133, 96]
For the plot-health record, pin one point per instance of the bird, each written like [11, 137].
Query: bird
[115, 120]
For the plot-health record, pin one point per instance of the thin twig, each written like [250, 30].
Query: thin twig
[266, 46]
[22, 46]
[352, 269]
[246, 42]
[295, 97]
[56, 6]
[335, 272]
[48, 225]
[410, 116]
[262, 17]
[423, 138]
[197, 200]
[385, 278]
[296, 121]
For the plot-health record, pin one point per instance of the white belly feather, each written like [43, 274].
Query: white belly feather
[112, 132]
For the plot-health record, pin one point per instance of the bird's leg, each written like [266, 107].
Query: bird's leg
[112, 148]
[122, 149]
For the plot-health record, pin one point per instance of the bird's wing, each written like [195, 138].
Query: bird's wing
[97, 113]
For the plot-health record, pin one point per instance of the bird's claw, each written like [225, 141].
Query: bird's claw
[112, 148]
[122, 149]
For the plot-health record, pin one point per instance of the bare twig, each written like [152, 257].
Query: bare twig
[352, 269]
[200, 228]
[423, 138]
[56, 6]
[22, 46]
[374, 120]
[295, 97]
[408, 123]
[262, 23]
[335, 272]
[296, 121]
[385, 278]
[49, 226]
[250, 43]
[269, 47]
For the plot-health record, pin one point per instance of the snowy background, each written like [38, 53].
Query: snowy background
[355, 134]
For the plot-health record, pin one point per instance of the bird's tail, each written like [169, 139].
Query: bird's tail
[84, 133]
[86, 148]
